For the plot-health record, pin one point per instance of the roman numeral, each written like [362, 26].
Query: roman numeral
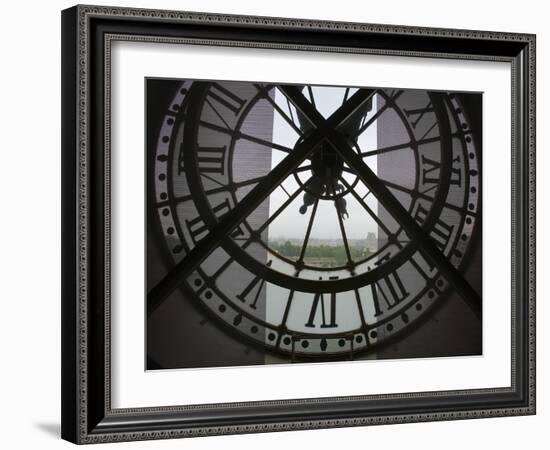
[382, 259]
[224, 97]
[209, 159]
[198, 229]
[390, 289]
[418, 114]
[429, 166]
[328, 315]
[441, 232]
[251, 286]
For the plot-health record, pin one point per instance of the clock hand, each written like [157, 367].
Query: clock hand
[412, 228]
[314, 117]
[219, 228]
[388, 200]
[227, 223]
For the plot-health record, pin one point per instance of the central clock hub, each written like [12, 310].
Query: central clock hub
[326, 163]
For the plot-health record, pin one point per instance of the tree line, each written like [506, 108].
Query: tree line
[337, 252]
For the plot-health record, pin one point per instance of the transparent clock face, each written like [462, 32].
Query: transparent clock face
[297, 223]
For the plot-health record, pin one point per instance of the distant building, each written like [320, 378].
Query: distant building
[371, 241]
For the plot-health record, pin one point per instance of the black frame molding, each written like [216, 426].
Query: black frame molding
[87, 33]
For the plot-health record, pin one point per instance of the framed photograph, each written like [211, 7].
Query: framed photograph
[278, 224]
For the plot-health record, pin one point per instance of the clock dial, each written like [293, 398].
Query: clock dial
[314, 221]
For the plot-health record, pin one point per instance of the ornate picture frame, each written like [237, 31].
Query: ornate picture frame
[88, 411]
